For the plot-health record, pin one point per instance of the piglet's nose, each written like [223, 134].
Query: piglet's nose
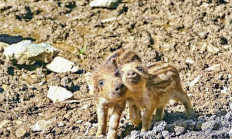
[119, 88]
[131, 74]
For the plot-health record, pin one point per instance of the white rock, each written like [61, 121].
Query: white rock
[104, 3]
[56, 93]
[214, 67]
[212, 49]
[189, 61]
[224, 90]
[230, 132]
[18, 122]
[87, 124]
[79, 121]
[4, 122]
[85, 107]
[108, 20]
[189, 94]
[230, 106]
[226, 47]
[61, 124]
[25, 52]
[20, 132]
[40, 125]
[194, 81]
[165, 133]
[60, 65]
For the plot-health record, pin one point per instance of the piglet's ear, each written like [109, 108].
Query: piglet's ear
[89, 81]
[113, 62]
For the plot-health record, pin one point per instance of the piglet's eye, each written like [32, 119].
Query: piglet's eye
[140, 69]
[101, 82]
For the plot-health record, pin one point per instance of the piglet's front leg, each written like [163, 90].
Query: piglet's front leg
[102, 112]
[114, 121]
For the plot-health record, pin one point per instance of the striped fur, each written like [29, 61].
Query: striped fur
[157, 84]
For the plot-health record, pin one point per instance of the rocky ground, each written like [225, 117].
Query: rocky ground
[195, 36]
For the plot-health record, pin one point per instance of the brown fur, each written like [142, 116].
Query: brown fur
[124, 56]
[154, 87]
[109, 94]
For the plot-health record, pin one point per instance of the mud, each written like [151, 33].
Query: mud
[167, 30]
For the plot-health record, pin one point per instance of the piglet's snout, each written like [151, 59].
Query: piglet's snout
[119, 88]
[131, 74]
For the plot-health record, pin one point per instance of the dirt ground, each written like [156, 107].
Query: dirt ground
[174, 31]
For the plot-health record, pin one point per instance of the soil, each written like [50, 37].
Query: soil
[172, 31]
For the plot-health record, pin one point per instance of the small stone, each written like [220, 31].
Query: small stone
[85, 107]
[209, 126]
[214, 67]
[179, 130]
[228, 116]
[104, 3]
[230, 132]
[25, 52]
[94, 125]
[189, 61]
[226, 47]
[3, 123]
[56, 93]
[165, 133]
[194, 81]
[61, 65]
[79, 121]
[159, 126]
[20, 132]
[109, 20]
[190, 124]
[40, 125]
[213, 117]
[212, 49]
[18, 122]
[224, 90]
[190, 95]
[87, 124]
[61, 124]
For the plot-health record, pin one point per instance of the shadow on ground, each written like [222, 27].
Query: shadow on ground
[13, 39]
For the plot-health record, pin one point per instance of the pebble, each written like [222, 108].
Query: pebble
[61, 65]
[179, 130]
[25, 52]
[230, 132]
[40, 125]
[85, 107]
[209, 126]
[159, 126]
[3, 123]
[189, 61]
[104, 3]
[20, 132]
[212, 49]
[165, 133]
[213, 68]
[230, 106]
[224, 90]
[194, 81]
[228, 116]
[61, 124]
[56, 93]
[79, 121]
